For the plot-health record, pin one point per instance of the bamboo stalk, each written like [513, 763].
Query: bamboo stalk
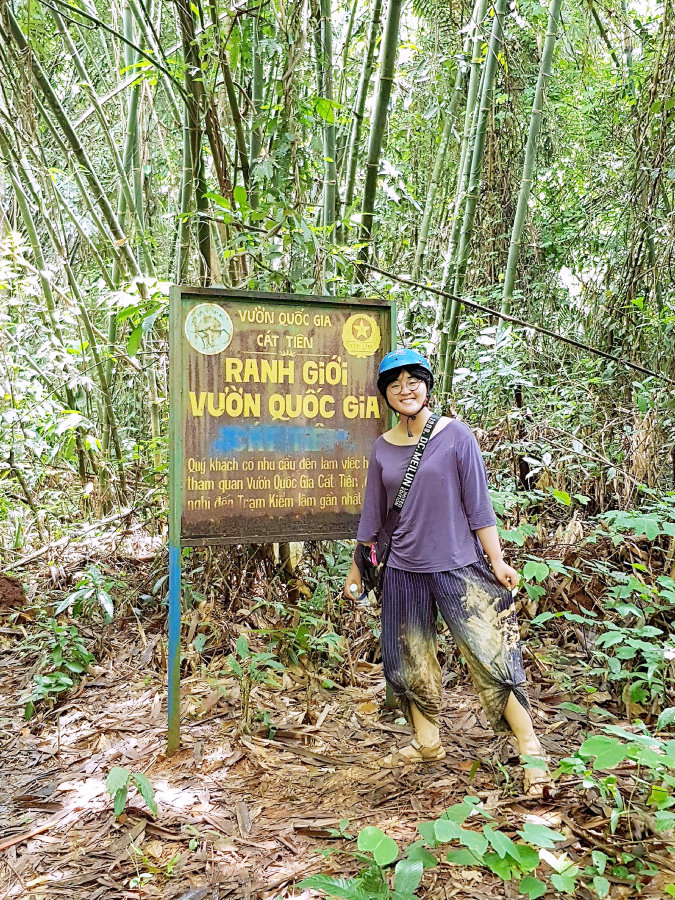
[530, 155]
[255, 144]
[329, 168]
[125, 187]
[359, 108]
[38, 255]
[463, 172]
[84, 315]
[78, 150]
[149, 35]
[377, 126]
[449, 117]
[472, 194]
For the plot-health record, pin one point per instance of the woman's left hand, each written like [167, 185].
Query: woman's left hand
[506, 574]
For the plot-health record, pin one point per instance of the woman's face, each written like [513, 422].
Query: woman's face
[406, 394]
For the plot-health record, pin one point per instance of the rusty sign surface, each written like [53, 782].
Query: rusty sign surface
[278, 412]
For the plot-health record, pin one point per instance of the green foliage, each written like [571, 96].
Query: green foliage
[529, 857]
[655, 772]
[63, 659]
[315, 621]
[91, 593]
[378, 851]
[117, 784]
[251, 669]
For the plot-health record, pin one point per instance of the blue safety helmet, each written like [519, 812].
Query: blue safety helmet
[399, 359]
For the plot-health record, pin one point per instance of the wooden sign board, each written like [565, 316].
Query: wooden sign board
[275, 409]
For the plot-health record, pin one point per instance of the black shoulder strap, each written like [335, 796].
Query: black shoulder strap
[415, 459]
[390, 523]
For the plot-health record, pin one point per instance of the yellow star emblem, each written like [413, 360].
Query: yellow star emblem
[362, 330]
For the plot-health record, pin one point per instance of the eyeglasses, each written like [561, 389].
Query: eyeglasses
[411, 385]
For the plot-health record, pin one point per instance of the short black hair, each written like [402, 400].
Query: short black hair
[415, 371]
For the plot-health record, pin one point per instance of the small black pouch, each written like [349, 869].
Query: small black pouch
[370, 561]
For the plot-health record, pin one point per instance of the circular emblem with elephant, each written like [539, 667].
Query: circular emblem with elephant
[208, 328]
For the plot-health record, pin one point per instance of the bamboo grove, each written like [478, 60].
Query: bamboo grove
[510, 152]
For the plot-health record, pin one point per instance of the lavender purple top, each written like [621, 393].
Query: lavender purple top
[447, 503]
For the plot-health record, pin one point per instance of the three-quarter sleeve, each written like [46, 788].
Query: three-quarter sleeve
[374, 510]
[473, 482]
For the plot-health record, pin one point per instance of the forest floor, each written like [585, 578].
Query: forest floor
[245, 816]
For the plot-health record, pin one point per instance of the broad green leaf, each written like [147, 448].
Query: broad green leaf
[540, 835]
[233, 663]
[118, 777]
[563, 883]
[134, 340]
[447, 830]
[651, 528]
[531, 886]
[502, 867]
[383, 848]
[146, 790]
[418, 852]
[666, 718]
[240, 195]
[608, 751]
[218, 199]
[76, 667]
[664, 820]
[464, 858]
[476, 842]
[408, 875]
[528, 857]
[599, 860]
[499, 842]
[563, 497]
[573, 707]
[536, 570]
[428, 832]
[344, 888]
[120, 801]
[458, 812]
[242, 647]
[64, 604]
[601, 886]
[514, 536]
[451, 831]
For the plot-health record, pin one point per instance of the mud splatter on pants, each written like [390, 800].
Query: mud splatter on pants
[480, 614]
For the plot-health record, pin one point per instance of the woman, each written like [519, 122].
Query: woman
[436, 563]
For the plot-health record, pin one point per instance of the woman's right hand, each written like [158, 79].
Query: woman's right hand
[353, 578]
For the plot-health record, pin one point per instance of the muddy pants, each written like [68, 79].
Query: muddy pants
[480, 614]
